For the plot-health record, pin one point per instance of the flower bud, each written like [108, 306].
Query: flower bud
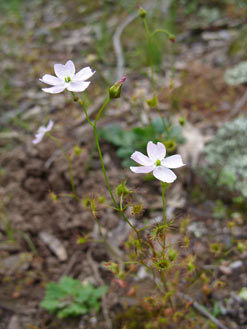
[53, 196]
[240, 247]
[115, 90]
[172, 38]
[182, 121]
[77, 150]
[153, 102]
[170, 145]
[142, 12]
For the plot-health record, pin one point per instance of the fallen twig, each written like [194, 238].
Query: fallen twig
[71, 263]
[238, 106]
[100, 281]
[202, 310]
[117, 37]
[117, 44]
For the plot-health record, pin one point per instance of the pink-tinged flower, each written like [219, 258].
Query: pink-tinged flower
[42, 131]
[66, 78]
[157, 163]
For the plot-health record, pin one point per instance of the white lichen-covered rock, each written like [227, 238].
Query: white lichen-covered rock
[237, 75]
[225, 165]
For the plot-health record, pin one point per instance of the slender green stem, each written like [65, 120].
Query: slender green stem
[121, 202]
[108, 185]
[164, 188]
[96, 137]
[168, 290]
[103, 166]
[85, 112]
[68, 159]
[149, 36]
[107, 101]
[162, 31]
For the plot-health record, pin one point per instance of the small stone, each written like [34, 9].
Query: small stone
[93, 320]
[14, 323]
[54, 244]
[225, 270]
[236, 265]
[142, 273]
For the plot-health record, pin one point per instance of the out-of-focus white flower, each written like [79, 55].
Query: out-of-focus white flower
[66, 78]
[157, 163]
[42, 131]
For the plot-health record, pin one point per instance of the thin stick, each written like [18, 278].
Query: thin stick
[202, 310]
[101, 282]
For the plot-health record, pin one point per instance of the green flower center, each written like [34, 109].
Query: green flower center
[158, 163]
[67, 79]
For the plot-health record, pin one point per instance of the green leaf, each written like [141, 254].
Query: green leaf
[69, 285]
[72, 310]
[127, 141]
[50, 305]
[70, 298]
[54, 291]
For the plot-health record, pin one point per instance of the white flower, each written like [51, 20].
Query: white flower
[42, 131]
[157, 163]
[66, 78]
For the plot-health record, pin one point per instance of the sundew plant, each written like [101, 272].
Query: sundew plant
[167, 263]
[154, 162]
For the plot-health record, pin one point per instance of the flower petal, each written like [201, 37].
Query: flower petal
[61, 71]
[78, 86]
[51, 80]
[83, 74]
[55, 89]
[142, 170]
[156, 152]
[164, 174]
[37, 139]
[141, 159]
[70, 67]
[41, 130]
[174, 161]
[49, 126]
